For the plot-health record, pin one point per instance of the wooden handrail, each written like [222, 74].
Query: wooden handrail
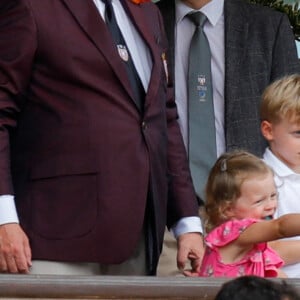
[110, 287]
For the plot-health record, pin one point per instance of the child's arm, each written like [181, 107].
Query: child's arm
[288, 250]
[285, 226]
[264, 231]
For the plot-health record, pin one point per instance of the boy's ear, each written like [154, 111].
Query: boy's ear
[267, 130]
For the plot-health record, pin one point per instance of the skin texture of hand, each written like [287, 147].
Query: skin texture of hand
[190, 247]
[15, 253]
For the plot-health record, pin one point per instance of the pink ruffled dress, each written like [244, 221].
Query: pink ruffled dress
[261, 260]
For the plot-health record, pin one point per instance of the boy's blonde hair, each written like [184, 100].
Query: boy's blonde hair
[281, 100]
[225, 180]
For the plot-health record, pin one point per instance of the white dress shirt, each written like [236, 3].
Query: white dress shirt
[143, 63]
[288, 186]
[214, 30]
[140, 53]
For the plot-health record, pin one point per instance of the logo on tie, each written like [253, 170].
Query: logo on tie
[123, 52]
[202, 88]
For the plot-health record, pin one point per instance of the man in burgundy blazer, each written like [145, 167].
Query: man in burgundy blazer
[76, 153]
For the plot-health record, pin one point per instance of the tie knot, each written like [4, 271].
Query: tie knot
[198, 18]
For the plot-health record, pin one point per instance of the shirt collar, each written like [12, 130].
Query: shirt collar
[281, 168]
[212, 10]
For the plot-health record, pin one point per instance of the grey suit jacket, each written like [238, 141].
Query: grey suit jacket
[259, 47]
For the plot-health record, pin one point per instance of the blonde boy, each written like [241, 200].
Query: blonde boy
[280, 115]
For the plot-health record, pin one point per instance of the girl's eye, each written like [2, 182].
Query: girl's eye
[297, 133]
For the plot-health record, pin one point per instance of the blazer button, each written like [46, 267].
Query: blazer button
[144, 125]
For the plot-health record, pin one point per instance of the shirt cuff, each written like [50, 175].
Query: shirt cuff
[187, 224]
[8, 212]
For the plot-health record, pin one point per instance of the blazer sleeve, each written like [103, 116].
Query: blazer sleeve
[182, 200]
[16, 60]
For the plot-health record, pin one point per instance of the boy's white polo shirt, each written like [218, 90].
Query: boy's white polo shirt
[288, 185]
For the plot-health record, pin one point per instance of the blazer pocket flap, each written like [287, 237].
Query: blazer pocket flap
[63, 166]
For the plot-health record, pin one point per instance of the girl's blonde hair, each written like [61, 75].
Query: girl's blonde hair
[281, 100]
[224, 183]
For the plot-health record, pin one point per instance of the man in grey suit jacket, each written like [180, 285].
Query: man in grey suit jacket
[258, 47]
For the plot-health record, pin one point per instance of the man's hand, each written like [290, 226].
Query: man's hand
[190, 247]
[15, 253]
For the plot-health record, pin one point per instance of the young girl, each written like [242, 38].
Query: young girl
[241, 201]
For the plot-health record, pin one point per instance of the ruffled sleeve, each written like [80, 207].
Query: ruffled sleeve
[227, 232]
[272, 262]
[261, 260]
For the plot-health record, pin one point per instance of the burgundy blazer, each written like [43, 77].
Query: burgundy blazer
[74, 149]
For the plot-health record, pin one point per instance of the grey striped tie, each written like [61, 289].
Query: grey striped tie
[202, 134]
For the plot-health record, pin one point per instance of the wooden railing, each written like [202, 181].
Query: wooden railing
[108, 287]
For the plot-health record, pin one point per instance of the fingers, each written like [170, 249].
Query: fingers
[7, 260]
[191, 255]
[21, 265]
[182, 257]
[27, 251]
[11, 264]
[23, 259]
[196, 264]
[190, 248]
[3, 265]
[13, 260]
[190, 273]
[15, 253]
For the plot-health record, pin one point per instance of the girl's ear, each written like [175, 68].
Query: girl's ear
[267, 130]
[228, 211]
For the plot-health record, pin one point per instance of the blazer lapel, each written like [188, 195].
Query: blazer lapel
[168, 10]
[93, 25]
[137, 15]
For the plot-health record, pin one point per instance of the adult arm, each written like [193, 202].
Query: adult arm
[16, 56]
[182, 203]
